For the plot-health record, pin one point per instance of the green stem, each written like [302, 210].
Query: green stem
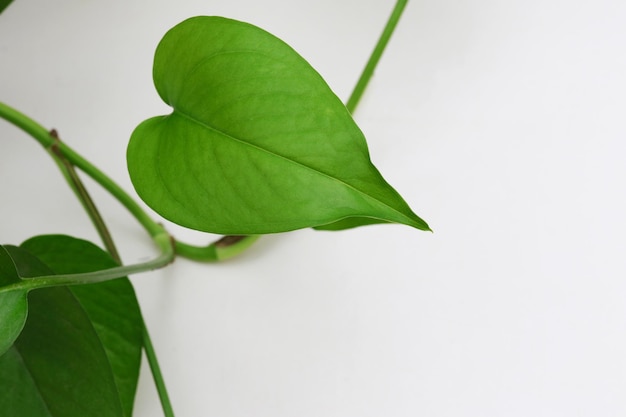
[163, 240]
[152, 227]
[26, 124]
[44, 137]
[85, 199]
[159, 382]
[83, 195]
[221, 250]
[368, 71]
[228, 246]
[213, 252]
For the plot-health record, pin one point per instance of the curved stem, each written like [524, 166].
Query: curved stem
[27, 124]
[163, 240]
[368, 71]
[152, 227]
[221, 250]
[85, 199]
[224, 248]
[48, 141]
[83, 195]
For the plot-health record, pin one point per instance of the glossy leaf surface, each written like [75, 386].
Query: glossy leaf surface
[256, 143]
[13, 304]
[111, 306]
[80, 350]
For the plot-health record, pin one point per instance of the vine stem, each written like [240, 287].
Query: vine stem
[81, 192]
[368, 71]
[83, 195]
[210, 253]
[163, 240]
[157, 376]
[48, 141]
[225, 248]
[221, 250]
[67, 158]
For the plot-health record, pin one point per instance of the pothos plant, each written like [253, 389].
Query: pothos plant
[256, 143]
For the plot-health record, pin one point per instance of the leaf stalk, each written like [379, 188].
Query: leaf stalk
[163, 240]
[368, 71]
[157, 376]
[85, 199]
[62, 152]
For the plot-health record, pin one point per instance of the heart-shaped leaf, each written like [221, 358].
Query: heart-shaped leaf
[13, 304]
[257, 142]
[80, 350]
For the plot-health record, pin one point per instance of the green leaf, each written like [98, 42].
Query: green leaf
[61, 365]
[256, 143]
[80, 350]
[13, 304]
[111, 306]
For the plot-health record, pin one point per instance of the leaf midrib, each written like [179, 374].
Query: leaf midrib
[274, 154]
[33, 379]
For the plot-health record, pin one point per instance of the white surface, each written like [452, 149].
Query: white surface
[501, 123]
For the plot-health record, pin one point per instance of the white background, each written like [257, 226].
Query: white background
[500, 122]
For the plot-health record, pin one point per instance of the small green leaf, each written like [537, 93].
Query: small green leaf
[13, 304]
[79, 353]
[257, 142]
